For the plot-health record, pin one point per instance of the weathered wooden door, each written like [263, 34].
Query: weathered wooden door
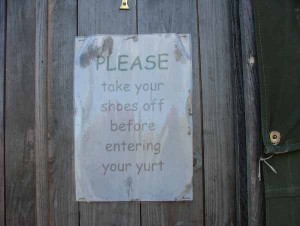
[36, 109]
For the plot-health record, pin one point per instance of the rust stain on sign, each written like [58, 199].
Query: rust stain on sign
[185, 192]
[92, 48]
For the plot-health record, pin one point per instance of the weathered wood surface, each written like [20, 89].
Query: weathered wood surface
[62, 22]
[177, 17]
[239, 118]
[19, 114]
[104, 17]
[41, 126]
[36, 66]
[218, 118]
[2, 82]
[252, 113]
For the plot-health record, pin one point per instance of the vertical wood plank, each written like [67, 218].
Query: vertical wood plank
[62, 22]
[252, 109]
[2, 78]
[19, 114]
[239, 117]
[105, 17]
[177, 17]
[41, 129]
[218, 111]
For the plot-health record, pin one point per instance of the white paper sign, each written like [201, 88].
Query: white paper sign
[133, 125]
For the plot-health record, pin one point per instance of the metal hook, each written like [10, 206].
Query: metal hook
[124, 5]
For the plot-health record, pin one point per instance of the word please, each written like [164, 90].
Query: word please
[126, 63]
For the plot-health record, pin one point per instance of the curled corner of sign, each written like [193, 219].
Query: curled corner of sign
[80, 199]
[180, 49]
[184, 195]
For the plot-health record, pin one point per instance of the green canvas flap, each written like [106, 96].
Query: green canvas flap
[282, 190]
[278, 45]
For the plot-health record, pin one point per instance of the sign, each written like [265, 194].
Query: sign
[133, 125]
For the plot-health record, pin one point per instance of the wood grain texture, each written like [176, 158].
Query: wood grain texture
[252, 109]
[36, 98]
[62, 22]
[218, 111]
[177, 17]
[19, 114]
[2, 81]
[104, 17]
[41, 126]
[239, 117]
